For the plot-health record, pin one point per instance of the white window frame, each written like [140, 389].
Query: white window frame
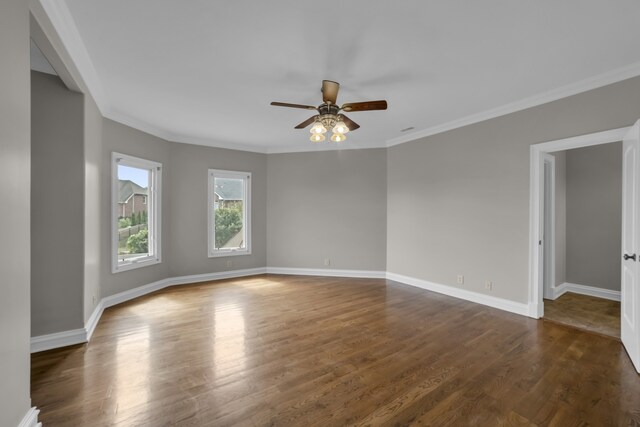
[154, 203]
[246, 220]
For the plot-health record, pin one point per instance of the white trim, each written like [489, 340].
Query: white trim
[231, 274]
[92, 321]
[491, 301]
[588, 140]
[154, 211]
[549, 242]
[58, 339]
[536, 175]
[65, 26]
[591, 291]
[44, 36]
[588, 84]
[320, 148]
[367, 274]
[30, 419]
[585, 85]
[79, 336]
[177, 137]
[246, 211]
[558, 290]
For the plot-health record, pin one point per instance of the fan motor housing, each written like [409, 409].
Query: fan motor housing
[328, 109]
[328, 115]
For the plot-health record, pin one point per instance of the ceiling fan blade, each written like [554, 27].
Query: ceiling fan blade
[350, 123]
[330, 91]
[306, 122]
[286, 104]
[365, 106]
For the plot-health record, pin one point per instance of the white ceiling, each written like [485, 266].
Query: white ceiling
[205, 71]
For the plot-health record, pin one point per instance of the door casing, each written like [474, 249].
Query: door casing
[536, 204]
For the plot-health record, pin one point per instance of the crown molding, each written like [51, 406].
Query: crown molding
[127, 120]
[67, 31]
[322, 147]
[206, 142]
[585, 85]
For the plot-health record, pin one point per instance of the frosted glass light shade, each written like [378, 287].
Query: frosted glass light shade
[338, 137]
[317, 128]
[340, 127]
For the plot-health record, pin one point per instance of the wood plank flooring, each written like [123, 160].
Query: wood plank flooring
[309, 351]
[593, 314]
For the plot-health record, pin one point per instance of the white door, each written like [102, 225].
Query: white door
[630, 297]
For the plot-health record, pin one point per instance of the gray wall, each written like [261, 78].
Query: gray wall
[188, 209]
[561, 218]
[126, 140]
[327, 205]
[458, 202]
[93, 215]
[57, 206]
[594, 215]
[15, 181]
[184, 207]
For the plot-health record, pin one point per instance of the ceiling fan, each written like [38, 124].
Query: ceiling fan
[330, 113]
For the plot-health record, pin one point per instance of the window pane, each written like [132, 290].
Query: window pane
[228, 208]
[133, 216]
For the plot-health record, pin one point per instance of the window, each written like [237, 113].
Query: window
[135, 198]
[229, 217]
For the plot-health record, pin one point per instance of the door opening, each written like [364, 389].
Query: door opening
[542, 283]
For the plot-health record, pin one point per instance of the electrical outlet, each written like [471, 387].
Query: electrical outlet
[460, 279]
[327, 262]
[229, 264]
[488, 285]
[94, 300]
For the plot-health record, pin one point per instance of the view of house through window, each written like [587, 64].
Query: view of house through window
[228, 213]
[136, 215]
[133, 216]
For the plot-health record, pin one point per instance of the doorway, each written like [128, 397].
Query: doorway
[582, 237]
[540, 285]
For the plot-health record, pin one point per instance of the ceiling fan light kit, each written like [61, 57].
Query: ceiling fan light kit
[338, 137]
[318, 128]
[340, 127]
[329, 116]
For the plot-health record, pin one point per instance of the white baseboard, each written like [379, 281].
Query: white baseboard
[585, 290]
[93, 320]
[367, 274]
[58, 339]
[195, 278]
[558, 291]
[31, 418]
[491, 301]
[79, 336]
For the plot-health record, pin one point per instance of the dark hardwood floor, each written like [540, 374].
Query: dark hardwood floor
[312, 351]
[593, 314]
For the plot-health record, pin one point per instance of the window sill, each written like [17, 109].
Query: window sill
[132, 265]
[218, 254]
